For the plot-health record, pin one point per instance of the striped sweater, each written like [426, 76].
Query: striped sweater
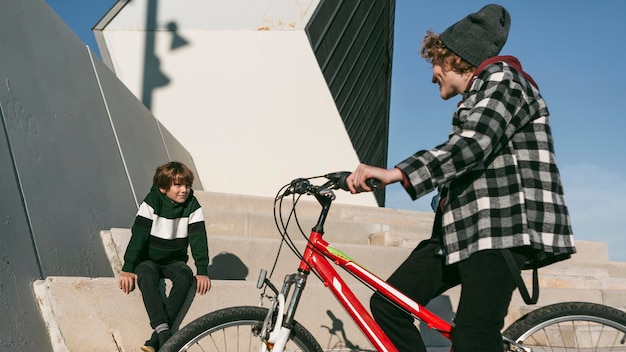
[162, 231]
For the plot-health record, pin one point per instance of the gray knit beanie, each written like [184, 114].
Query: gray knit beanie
[478, 36]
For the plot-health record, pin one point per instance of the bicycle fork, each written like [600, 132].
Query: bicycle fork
[279, 320]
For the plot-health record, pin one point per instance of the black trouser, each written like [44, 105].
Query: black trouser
[486, 289]
[149, 274]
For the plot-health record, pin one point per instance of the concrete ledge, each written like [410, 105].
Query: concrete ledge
[238, 258]
[93, 314]
[310, 208]
[252, 216]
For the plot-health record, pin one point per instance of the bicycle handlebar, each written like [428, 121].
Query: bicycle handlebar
[336, 180]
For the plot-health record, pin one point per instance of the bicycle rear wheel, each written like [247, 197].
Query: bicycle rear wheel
[570, 326]
[234, 329]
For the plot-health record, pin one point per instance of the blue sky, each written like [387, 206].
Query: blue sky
[573, 49]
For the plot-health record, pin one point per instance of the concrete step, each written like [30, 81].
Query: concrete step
[243, 239]
[235, 223]
[588, 251]
[237, 258]
[582, 282]
[240, 258]
[252, 216]
[308, 207]
[613, 268]
[94, 312]
[345, 224]
[112, 321]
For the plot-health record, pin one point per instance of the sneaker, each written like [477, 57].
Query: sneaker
[164, 336]
[151, 345]
[146, 348]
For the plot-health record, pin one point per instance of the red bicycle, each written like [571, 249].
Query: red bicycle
[569, 326]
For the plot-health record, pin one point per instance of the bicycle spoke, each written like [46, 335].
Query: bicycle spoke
[579, 336]
[234, 338]
[569, 327]
[234, 329]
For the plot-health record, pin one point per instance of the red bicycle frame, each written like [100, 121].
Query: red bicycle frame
[317, 255]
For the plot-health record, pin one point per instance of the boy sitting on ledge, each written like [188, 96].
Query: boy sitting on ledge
[168, 220]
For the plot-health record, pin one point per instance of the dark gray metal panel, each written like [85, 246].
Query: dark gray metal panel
[178, 152]
[144, 142]
[353, 43]
[74, 183]
[64, 177]
[136, 129]
[21, 327]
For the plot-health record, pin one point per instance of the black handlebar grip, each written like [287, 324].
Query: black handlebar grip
[340, 180]
[372, 183]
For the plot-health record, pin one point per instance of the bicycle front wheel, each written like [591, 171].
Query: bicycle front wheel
[234, 329]
[570, 326]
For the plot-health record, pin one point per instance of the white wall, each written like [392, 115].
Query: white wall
[246, 96]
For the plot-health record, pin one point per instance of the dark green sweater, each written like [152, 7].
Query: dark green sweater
[162, 231]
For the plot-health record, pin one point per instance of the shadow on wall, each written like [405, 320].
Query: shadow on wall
[227, 266]
[153, 76]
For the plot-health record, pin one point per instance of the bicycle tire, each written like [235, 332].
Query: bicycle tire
[570, 326]
[234, 329]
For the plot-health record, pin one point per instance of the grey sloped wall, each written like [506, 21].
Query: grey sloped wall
[77, 153]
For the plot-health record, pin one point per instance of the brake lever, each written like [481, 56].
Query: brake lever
[300, 185]
[297, 186]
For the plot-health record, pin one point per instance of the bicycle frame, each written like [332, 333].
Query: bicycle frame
[317, 256]
[245, 325]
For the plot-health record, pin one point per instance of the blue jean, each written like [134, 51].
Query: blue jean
[162, 310]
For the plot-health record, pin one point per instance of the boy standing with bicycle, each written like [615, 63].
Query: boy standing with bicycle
[501, 193]
[168, 221]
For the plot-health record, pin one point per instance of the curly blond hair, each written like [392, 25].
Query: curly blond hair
[436, 53]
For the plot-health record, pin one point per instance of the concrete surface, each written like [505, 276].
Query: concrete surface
[93, 312]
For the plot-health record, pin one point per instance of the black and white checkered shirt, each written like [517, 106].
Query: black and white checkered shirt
[498, 170]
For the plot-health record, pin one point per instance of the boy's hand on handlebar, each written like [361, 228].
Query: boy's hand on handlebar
[357, 179]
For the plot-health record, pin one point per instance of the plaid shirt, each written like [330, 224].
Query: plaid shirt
[497, 171]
